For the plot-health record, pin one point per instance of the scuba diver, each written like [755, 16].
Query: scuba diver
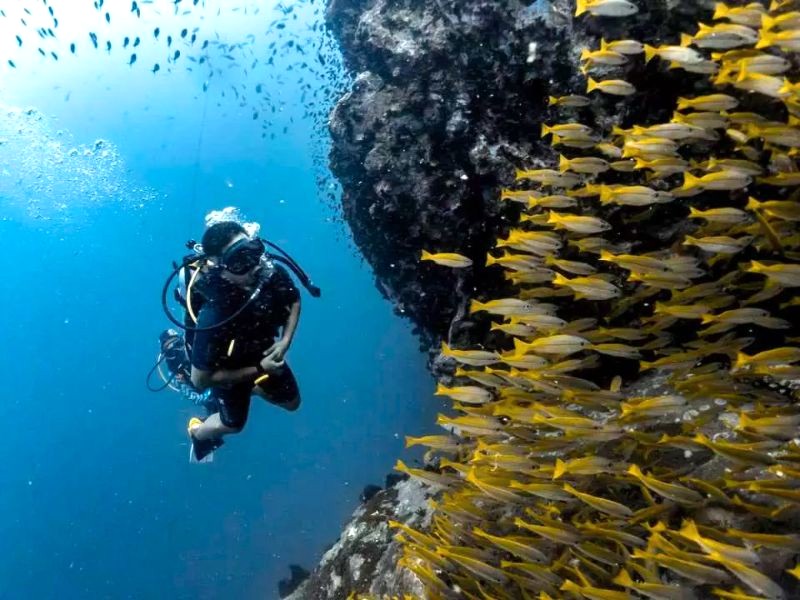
[242, 312]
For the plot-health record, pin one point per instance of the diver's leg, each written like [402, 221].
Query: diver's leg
[212, 428]
[280, 389]
[234, 406]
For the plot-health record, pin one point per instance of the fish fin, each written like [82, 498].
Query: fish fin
[650, 52]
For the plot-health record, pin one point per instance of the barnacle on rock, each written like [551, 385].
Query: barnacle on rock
[635, 431]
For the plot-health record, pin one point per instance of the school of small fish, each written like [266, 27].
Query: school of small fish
[249, 73]
[666, 249]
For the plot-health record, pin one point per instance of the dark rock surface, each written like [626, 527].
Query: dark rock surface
[448, 100]
[297, 575]
[364, 559]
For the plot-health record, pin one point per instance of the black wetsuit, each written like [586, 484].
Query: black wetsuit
[241, 343]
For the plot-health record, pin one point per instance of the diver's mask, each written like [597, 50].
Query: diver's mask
[243, 256]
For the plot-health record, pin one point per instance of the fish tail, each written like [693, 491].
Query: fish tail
[559, 279]
[551, 101]
[586, 54]
[591, 85]
[490, 260]
[690, 182]
[693, 212]
[742, 360]
[440, 390]
[756, 267]
[706, 319]
[650, 52]
[581, 8]
[605, 255]
[475, 306]
[635, 471]
[560, 469]
[426, 255]
[767, 23]
[606, 195]
[686, 39]
[603, 44]
[546, 130]
[765, 40]
[623, 579]
[446, 350]
[721, 11]
[684, 103]
[563, 163]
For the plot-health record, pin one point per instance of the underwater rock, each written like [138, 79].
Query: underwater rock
[448, 98]
[369, 492]
[364, 559]
[297, 575]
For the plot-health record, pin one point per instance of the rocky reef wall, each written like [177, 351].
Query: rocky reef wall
[448, 100]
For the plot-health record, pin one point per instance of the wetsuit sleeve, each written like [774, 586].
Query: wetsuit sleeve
[206, 344]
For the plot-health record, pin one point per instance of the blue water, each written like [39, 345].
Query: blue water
[97, 498]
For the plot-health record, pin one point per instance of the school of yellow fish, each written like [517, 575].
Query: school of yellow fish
[558, 477]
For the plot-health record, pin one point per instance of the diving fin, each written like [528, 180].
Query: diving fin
[202, 452]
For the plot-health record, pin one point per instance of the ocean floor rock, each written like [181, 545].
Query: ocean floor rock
[364, 558]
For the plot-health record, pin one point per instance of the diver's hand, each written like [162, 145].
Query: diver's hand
[277, 351]
[269, 364]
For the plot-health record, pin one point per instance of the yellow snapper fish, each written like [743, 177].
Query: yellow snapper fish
[705, 119]
[587, 165]
[588, 288]
[712, 102]
[576, 223]
[781, 135]
[769, 85]
[572, 267]
[749, 15]
[550, 177]
[447, 259]
[612, 87]
[475, 358]
[468, 394]
[781, 179]
[649, 147]
[720, 244]
[727, 180]
[565, 129]
[520, 196]
[622, 46]
[670, 131]
[789, 20]
[606, 8]
[610, 150]
[722, 36]
[766, 64]
[556, 344]
[569, 101]
[603, 57]
[679, 54]
[732, 164]
[552, 201]
[728, 216]
[631, 195]
[509, 307]
[662, 167]
[780, 209]
[785, 40]
[786, 275]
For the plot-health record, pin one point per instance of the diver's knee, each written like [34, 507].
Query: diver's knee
[292, 405]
